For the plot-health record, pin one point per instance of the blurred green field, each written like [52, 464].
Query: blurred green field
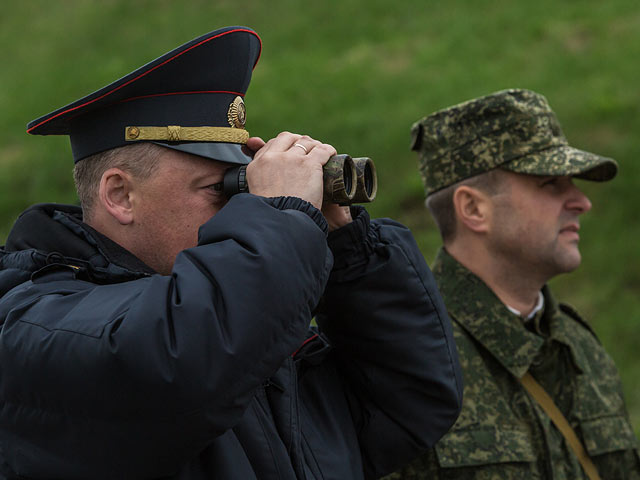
[356, 74]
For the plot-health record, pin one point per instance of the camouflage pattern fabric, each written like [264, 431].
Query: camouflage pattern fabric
[502, 433]
[511, 129]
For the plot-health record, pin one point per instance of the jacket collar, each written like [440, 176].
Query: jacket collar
[474, 306]
[54, 232]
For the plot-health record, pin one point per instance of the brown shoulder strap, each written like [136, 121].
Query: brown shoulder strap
[546, 402]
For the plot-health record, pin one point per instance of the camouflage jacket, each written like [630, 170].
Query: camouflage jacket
[502, 433]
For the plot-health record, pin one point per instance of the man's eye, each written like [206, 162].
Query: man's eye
[216, 193]
[553, 181]
[216, 189]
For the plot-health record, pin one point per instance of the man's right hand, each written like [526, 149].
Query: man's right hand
[281, 167]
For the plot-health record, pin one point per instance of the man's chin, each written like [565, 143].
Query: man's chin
[570, 261]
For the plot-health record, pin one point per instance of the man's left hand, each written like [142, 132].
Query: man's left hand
[336, 215]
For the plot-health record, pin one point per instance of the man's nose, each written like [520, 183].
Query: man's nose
[578, 201]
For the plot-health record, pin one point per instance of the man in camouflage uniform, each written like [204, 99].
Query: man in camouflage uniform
[498, 177]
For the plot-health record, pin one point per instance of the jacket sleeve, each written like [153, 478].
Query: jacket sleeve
[393, 342]
[147, 372]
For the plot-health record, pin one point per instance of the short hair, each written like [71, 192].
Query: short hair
[139, 160]
[440, 203]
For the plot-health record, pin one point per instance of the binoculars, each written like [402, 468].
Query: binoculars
[346, 180]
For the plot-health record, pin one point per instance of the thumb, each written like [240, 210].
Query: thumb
[255, 143]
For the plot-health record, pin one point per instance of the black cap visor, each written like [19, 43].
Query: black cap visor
[222, 152]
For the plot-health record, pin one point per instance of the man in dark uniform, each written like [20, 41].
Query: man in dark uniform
[542, 398]
[163, 331]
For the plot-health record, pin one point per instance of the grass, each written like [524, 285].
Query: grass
[357, 74]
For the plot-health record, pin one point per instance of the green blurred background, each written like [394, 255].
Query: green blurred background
[357, 74]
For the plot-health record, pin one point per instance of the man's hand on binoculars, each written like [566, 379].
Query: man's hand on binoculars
[290, 165]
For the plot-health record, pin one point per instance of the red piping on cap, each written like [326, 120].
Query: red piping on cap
[149, 71]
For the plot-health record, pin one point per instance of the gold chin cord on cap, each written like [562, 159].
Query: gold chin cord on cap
[176, 133]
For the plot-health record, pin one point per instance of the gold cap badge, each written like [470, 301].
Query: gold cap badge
[237, 114]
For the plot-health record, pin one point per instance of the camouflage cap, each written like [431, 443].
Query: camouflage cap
[512, 129]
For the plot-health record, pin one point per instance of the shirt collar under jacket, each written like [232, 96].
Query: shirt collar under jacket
[539, 306]
[474, 306]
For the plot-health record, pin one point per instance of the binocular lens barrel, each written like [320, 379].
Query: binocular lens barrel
[339, 179]
[346, 180]
[367, 180]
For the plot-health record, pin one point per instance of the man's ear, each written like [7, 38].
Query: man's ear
[473, 208]
[115, 194]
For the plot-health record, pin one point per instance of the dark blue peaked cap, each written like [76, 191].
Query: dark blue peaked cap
[190, 99]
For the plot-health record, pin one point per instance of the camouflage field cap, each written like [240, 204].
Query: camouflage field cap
[512, 129]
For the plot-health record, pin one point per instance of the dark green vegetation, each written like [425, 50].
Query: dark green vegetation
[356, 74]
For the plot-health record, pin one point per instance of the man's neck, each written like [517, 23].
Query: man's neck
[512, 285]
[523, 300]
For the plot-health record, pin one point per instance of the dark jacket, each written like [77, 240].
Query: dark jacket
[108, 370]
